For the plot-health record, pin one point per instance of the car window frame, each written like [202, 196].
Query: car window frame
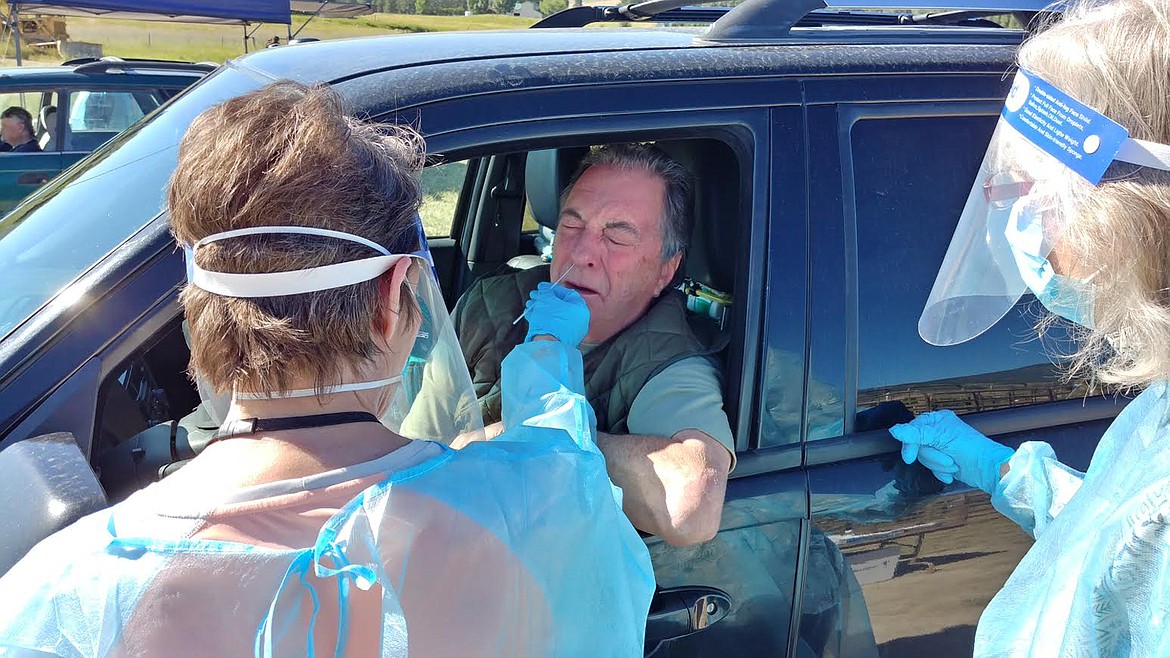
[851, 444]
[736, 123]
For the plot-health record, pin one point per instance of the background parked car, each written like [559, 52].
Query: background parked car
[77, 107]
[831, 163]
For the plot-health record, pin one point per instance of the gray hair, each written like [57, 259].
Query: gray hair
[679, 200]
[22, 115]
[1115, 57]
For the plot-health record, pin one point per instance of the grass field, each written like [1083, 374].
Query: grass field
[192, 42]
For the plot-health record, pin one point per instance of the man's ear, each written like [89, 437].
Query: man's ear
[669, 267]
[390, 290]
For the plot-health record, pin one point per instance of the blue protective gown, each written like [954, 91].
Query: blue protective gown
[519, 547]
[1097, 580]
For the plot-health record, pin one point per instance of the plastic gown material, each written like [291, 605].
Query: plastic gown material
[514, 547]
[1097, 581]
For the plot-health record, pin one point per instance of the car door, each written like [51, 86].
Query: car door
[889, 181]
[732, 595]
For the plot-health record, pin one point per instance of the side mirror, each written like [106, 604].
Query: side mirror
[45, 485]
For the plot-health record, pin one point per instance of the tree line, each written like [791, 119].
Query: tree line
[457, 7]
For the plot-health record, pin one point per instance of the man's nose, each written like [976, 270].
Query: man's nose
[587, 249]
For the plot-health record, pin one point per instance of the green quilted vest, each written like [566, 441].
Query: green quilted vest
[615, 371]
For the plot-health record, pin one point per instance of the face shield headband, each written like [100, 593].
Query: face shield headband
[447, 408]
[1014, 217]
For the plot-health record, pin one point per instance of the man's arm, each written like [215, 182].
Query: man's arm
[672, 487]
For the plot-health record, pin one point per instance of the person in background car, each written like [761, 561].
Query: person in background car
[1081, 218]
[649, 374]
[16, 131]
[310, 520]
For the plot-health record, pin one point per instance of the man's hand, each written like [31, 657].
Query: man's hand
[672, 488]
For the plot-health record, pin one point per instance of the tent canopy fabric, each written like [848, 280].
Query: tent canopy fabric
[332, 9]
[222, 12]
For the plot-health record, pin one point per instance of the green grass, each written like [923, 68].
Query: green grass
[216, 43]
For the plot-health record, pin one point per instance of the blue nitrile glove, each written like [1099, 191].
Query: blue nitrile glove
[952, 449]
[557, 311]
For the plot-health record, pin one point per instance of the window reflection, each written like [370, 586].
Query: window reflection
[912, 176]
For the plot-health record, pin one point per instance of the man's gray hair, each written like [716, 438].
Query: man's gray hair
[22, 115]
[679, 199]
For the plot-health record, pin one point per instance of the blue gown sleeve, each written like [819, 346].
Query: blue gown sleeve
[1036, 488]
[542, 385]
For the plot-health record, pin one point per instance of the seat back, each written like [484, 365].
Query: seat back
[47, 125]
[717, 211]
[545, 175]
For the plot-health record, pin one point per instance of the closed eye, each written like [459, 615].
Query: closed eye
[621, 233]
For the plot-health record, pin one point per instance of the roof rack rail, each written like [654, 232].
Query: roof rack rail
[104, 64]
[770, 19]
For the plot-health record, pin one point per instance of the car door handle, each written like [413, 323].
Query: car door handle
[682, 611]
[34, 178]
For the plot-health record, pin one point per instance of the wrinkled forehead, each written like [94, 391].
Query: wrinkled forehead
[609, 193]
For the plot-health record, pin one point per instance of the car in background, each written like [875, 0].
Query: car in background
[77, 107]
[833, 152]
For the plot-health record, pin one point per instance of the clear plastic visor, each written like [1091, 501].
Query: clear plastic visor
[435, 364]
[1001, 245]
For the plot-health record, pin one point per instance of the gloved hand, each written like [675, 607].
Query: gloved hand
[952, 449]
[557, 311]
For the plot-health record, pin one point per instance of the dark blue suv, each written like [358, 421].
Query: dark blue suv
[833, 153]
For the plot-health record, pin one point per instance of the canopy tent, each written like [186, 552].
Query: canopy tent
[236, 12]
[220, 12]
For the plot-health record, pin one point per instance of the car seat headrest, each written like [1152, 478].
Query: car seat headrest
[48, 126]
[715, 172]
[545, 175]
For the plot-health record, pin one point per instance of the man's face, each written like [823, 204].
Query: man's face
[12, 131]
[610, 232]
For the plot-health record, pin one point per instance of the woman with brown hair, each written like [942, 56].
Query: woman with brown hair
[316, 519]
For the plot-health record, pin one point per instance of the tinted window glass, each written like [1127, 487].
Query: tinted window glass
[103, 111]
[441, 187]
[912, 178]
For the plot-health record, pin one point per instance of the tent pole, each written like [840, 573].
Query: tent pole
[307, 20]
[16, 29]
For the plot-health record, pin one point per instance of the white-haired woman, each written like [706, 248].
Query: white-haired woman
[1073, 204]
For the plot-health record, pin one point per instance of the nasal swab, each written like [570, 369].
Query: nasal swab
[559, 279]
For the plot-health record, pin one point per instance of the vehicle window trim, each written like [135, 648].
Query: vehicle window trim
[738, 127]
[857, 445]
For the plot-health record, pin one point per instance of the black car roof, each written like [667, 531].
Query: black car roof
[341, 60]
[45, 76]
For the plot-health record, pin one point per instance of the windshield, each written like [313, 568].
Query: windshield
[82, 215]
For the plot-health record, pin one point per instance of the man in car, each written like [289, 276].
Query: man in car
[16, 131]
[622, 232]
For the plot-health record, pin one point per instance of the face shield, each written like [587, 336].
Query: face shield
[1017, 212]
[435, 363]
